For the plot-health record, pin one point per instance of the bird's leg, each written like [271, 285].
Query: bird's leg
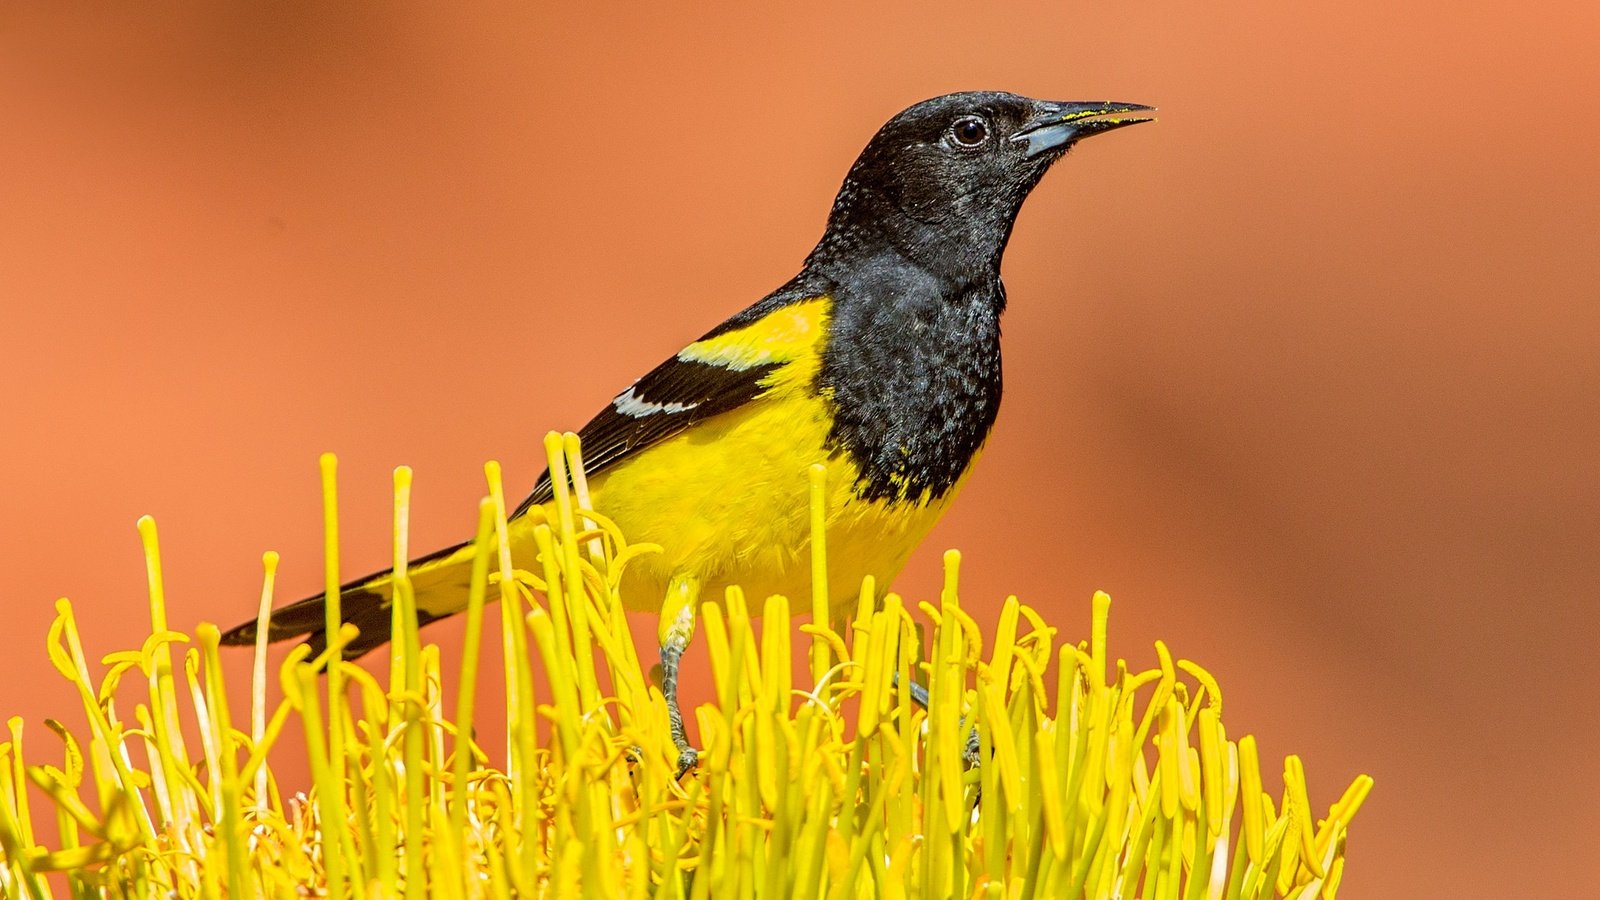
[972, 753]
[677, 628]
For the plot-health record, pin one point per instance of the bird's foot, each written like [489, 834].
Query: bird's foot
[688, 758]
[972, 753]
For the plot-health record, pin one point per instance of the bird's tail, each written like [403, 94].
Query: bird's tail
[439, 581]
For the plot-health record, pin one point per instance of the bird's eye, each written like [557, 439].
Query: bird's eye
[969, 131]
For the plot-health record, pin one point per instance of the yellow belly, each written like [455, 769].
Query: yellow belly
[728, 502]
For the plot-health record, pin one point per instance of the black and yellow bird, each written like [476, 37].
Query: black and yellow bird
[881, 358]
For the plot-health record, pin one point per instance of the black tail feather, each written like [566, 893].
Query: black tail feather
[367, 609]
[363, 603]
[375, 624]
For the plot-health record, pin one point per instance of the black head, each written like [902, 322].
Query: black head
[941, 183]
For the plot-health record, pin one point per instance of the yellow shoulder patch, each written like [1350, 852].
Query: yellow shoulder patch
[780, 336]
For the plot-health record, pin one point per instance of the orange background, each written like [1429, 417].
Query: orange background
[1304, 375]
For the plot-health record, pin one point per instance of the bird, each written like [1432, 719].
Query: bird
[879, 359]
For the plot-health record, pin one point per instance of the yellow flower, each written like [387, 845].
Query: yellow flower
[1092, 780]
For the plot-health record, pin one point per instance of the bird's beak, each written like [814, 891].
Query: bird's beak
[1061, 124]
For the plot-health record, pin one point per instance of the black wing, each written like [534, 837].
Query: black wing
[671, 398]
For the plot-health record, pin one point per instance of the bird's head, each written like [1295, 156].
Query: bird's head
[941, 183]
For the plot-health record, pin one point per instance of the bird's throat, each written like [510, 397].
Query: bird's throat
[913, 369]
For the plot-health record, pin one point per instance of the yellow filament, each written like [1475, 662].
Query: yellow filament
[819, 568]
[840, 787]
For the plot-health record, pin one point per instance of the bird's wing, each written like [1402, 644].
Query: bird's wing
[729, 367]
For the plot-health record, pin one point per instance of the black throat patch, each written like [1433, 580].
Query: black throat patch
[912, 366]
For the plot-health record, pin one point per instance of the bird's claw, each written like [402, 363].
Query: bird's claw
[972, 753]
[688, 758]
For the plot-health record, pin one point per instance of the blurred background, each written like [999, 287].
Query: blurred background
[1305, 375]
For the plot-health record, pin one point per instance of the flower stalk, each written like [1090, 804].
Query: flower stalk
[1095, 780]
